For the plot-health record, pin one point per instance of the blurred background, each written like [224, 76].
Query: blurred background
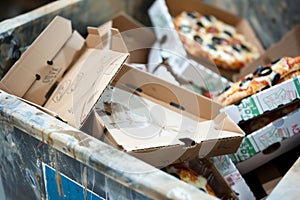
[13, 8]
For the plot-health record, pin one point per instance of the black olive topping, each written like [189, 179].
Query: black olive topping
[265, 71]
[191, 15]
[246, 80]
[185, 28]
[200, 24]
[242, 83]
[249, 78]
[207, 17]
[228, 33]
[245, 48]
[198, 39]
[257, 71]
[212, 47]
[275, 61]
[276, 78]
[227, 87]
[217, 40]
[235, 48]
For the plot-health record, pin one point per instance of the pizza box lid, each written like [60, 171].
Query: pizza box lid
[180, 124]
[63, 74]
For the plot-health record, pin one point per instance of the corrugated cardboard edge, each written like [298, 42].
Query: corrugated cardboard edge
[138, 39]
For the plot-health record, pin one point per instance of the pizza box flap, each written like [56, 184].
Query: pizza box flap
[180, 119]
[42, 64]
[138, 39]
[289, 45]
[89, 68]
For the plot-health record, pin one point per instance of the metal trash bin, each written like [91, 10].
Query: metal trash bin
[44, 158]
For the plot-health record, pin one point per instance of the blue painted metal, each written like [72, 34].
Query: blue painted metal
[67, 189]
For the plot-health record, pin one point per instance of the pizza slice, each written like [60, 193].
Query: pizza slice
[262, 78]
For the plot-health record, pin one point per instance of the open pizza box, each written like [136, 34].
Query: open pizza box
[63, 74]
[162, 13]
[145, 53]
[162, 123]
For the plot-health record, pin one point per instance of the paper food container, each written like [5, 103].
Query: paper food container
[161, 123]
[162, 12]
[64, 74]
[203, 173]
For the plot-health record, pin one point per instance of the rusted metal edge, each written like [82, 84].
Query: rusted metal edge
[113, 163]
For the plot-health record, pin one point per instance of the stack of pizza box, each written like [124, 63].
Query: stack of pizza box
[281, 134]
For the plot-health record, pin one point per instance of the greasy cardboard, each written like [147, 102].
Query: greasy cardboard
[219, 134]
[175, 7]
[206, 168]
[280, 131]
[80, 68]
[289, 45]
[266, 100]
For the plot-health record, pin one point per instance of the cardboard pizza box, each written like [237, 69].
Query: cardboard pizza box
[144, 50]
[162, 12]
[162, 123]
[289, 45]
[64, 74]
[281, 136]
[215, 179]
[268, 142]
